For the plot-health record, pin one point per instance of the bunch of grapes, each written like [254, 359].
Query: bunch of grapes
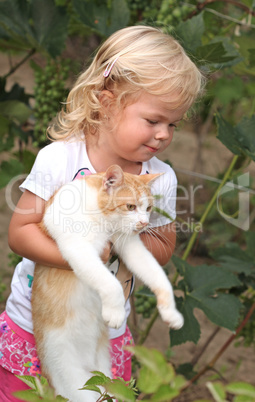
[172, 12]
[49, 92]
[145, 10]
[145, 302]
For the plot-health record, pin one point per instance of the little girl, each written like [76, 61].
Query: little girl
[122, 110]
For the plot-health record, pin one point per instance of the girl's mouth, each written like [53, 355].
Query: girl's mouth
[152, 149]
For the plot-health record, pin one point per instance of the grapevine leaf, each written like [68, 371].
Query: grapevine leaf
[49, 25]
[154, 361]
[217, 390]
[213, 53]
[148, 380]
[241, 388]
[15, 110]
[250, 241]
[233, 258]
[24, 27]
[97, 380]
[119, 389]
[27, 395]
[191, 328]
[165, 393]
[8, 170]
[101, 18]
[204, 289]
[4, 125]
[251, 57]
[239, 139]
[28, 380]
[14, 23]
[190, 32]
[91, 388]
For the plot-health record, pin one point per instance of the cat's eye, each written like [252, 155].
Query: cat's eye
[131, 207]
[149, 209]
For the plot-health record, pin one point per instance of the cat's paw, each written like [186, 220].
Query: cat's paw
[172, 317]
[114, 316]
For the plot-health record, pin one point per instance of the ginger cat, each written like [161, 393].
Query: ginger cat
[72, 309]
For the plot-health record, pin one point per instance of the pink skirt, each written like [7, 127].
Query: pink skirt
[18, 356]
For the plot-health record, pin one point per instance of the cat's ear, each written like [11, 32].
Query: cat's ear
[149, 178]
[113, 177]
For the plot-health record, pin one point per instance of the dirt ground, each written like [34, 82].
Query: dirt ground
[235, 363]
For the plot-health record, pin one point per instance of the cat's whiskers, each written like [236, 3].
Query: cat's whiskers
[160, 243]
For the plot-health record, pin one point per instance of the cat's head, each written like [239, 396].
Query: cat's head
[126, 199]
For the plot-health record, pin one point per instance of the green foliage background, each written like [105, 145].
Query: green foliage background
[219, 37]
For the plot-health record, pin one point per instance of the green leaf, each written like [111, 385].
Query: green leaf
[27, 395]
[148, 380]
[50, 25]
[98, 380]
[28, 380]
[8, 170]
[233, 258]
[92, 388]
[165, 393]
[119, 389]
[14, 22]
[154, 361]
[187, 370]
[251, 57]
[227, 90]
[101, 18]
[4, 125]
[190, 32]
[191, 328]
[15, 110]
[213, 53]
[250, 241]
[241, 388]
[37, 24]
[217, 391]
[204, 286]
[239, 139]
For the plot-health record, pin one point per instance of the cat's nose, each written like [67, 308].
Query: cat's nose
[141, 225]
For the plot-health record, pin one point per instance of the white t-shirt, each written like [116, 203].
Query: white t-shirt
[55, 165]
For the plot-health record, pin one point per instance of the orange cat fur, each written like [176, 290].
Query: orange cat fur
[71, 309]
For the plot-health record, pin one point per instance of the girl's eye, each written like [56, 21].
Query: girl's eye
[152, 122]
[172, 125]
[131, 207]
[149, 209]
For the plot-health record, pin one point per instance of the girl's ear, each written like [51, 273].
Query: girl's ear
[113, 177]
[106, 97]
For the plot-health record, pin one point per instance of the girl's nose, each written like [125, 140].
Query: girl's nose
[164, 133]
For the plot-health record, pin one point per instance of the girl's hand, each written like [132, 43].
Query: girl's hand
[160, 242]
[106, 254]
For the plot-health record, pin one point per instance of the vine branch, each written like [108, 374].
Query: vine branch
[222, 349]
[14, 68]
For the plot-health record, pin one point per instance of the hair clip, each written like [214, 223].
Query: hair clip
[109, 67]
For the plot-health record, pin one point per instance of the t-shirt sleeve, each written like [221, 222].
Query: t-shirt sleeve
[164, 190]
[48, 171]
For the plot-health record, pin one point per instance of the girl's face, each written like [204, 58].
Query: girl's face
[144, 129]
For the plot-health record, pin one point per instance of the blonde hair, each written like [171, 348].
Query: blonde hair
[144, 59]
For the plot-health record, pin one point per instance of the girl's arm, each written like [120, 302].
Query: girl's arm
[160, 241]
[27, 239]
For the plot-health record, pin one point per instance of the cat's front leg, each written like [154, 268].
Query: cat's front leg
[142, 263]
[84, 259]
